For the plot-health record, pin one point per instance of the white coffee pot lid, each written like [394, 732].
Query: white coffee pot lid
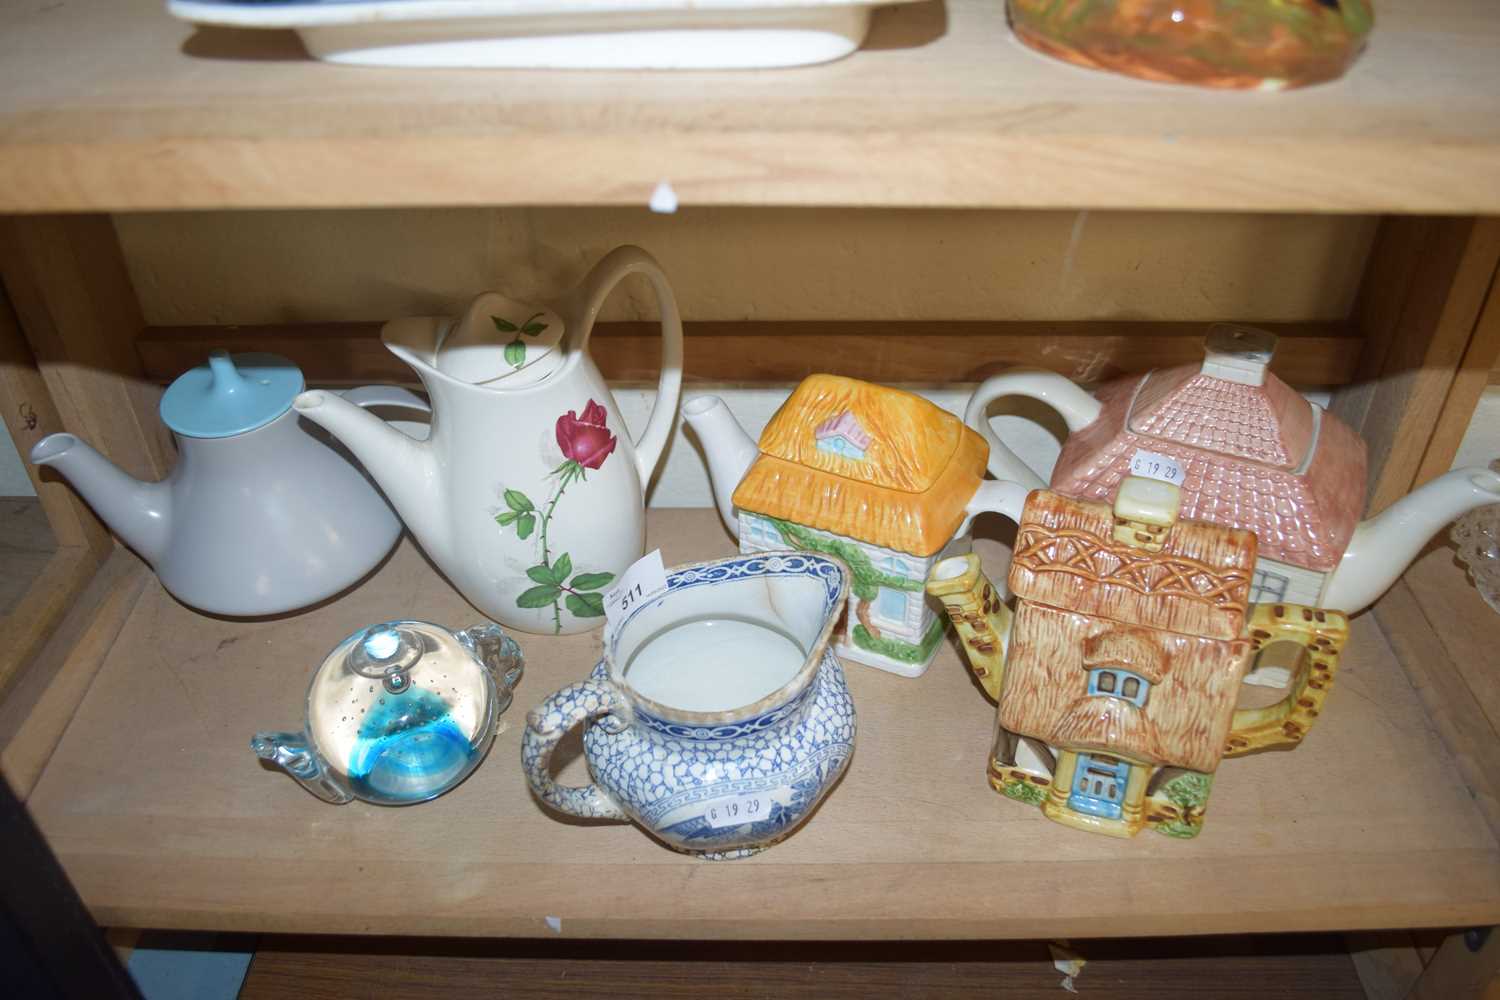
[501, 341]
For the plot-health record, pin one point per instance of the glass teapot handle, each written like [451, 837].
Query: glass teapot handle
[582, 309]
[1077, 407]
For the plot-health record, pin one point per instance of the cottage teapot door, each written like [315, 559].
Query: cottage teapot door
[1099, 786]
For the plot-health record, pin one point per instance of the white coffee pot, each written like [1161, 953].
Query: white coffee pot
[528, 494]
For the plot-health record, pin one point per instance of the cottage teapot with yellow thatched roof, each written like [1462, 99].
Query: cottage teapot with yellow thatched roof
[878, 477]
[1118, 674]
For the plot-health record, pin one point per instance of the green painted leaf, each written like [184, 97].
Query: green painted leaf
[586, 605]
[515, 353]
[503, 325]
[544, 574]
[505, 517]
[532, 329]
[518, 501]
[591, 581]
[538, 597]
[524, 525]
[562, 568]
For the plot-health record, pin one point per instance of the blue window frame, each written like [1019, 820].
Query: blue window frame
[759, 531]
[1112, 682]
[1099, 786]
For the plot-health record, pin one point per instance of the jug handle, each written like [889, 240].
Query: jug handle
[1282, 725]
[549, 722]
[582, 308]
[1077, 407]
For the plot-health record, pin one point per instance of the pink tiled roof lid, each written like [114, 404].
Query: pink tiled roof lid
[1256, 456]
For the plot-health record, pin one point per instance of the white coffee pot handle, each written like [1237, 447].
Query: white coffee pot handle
[581, 307]
[1077, 407]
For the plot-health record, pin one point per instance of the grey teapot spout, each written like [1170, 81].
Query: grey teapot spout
[139, 513]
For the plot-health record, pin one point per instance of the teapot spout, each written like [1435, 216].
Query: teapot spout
[1383, 546]
[404, 467]
[291, 753]
[730, 451]
[138, 512]
[978, 613]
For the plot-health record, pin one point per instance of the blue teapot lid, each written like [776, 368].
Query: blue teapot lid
[230, 395]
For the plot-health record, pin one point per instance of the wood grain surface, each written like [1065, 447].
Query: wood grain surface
[164, 818]
[113, 105]
[1266, 968]
[1314, 353]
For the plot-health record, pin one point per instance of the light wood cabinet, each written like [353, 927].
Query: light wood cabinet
[126, 716]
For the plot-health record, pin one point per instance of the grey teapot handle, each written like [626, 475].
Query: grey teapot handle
[549, 722]
[582, 308]
[386, 395]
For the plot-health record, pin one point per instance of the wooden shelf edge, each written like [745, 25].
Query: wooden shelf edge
[43, 606]
[1173, 172]
[46, 694]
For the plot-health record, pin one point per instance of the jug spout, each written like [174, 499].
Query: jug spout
[404, 467]
[291, 753]
[1383, 546]
[138, 512]
[978, 614]
[729, 450]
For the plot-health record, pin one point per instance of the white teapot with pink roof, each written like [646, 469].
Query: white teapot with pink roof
[1247, 451]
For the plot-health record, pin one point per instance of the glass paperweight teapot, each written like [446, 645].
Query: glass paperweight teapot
[399, 713]
[1242, 44]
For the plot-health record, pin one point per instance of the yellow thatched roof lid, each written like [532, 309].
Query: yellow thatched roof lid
[868, 462]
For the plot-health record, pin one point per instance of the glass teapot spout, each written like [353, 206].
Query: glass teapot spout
[291, 753]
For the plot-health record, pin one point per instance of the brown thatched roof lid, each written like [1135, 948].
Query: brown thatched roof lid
[1066, 556]
[892, 470]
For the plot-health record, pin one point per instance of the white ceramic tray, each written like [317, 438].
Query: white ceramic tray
[560, 34]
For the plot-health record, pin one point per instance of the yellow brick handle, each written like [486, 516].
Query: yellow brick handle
[1322, 635]
[978, 615]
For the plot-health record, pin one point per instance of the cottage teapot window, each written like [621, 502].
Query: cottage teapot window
[1112, 682]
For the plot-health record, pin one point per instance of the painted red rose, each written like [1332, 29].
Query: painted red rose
[585, 439]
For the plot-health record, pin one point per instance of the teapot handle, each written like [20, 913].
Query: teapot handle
[584, 304]
[549, 722]
[1077, 407]
[1276, 727]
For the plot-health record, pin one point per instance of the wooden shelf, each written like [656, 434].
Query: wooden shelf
[111, 105]
[163, 817]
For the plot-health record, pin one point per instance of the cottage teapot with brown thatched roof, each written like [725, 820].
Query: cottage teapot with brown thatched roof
[878, 477]
[1118, 674]
[1252, 453]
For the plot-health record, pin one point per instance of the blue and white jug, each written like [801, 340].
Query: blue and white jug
[718, 717]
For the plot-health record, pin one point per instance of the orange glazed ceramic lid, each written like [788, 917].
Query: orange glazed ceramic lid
[867, 462]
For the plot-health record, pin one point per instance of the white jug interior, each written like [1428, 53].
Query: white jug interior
[718, 647]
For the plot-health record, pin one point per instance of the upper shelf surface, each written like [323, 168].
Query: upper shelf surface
[112, 105]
